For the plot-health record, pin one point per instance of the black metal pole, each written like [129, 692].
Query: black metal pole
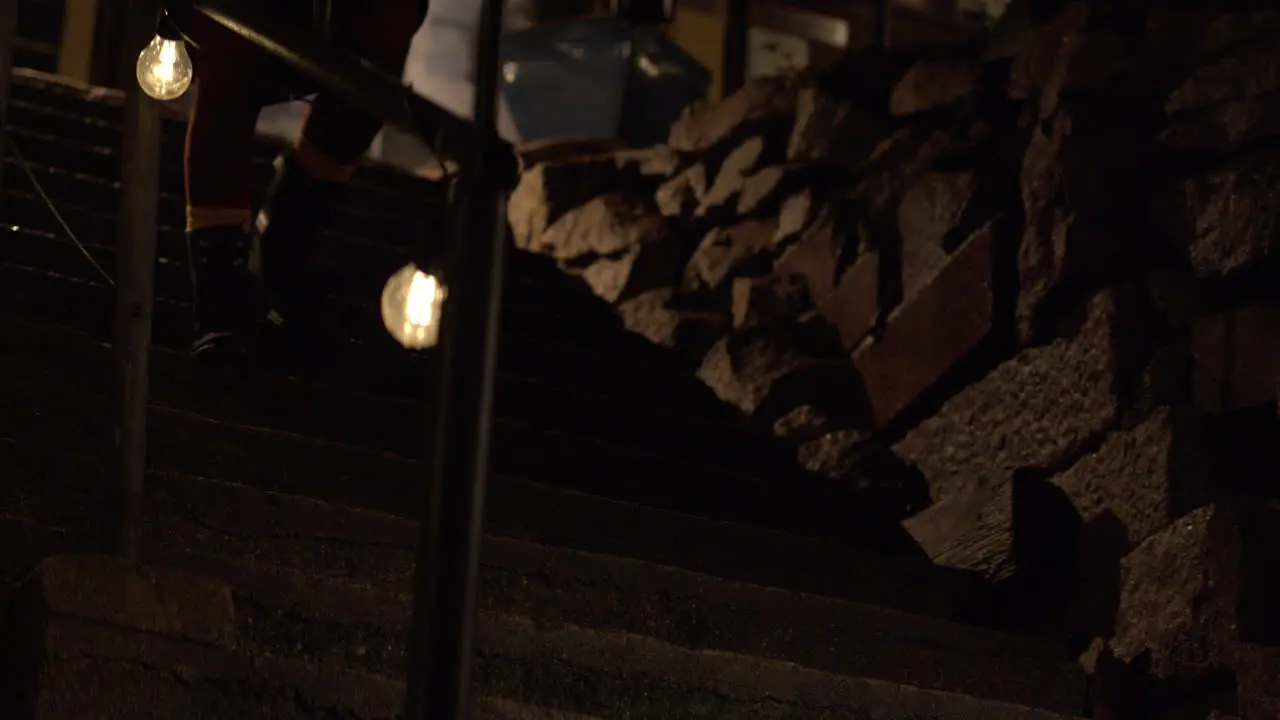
[135, 283]
[883, 21]
[733, 64]
[440, 648]
[8, 46]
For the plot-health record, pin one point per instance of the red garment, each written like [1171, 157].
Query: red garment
[234, 79]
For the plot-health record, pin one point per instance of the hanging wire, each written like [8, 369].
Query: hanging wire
[53, 209]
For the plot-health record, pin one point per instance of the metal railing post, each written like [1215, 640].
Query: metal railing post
[440, 644]
[8, 46]
[135, 286]
[883, 22]
[733, 64]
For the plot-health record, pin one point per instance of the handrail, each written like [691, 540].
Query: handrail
[457, 471]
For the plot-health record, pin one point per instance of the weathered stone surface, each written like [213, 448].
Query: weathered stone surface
[934, 83]
[762, 190]
[971, 529]
[744, 249]
[759, 105]
[1258, 677]
[758, 301]
[1236, 357]
[1144, 477]
[880, 483]
[768, 372]
[682, 194]
[549, 190]
[1247, 70]
[653, 315]
[929, 217]
[928, 335]
[1227, 218]
[1191, 592]
[831, 130]
[617, 243]
[853, 305]
[795, 214]
[1226, 126]
[733, 173]
[1077, 192]
[803, 424]
[815, 255]
[118, 592]
[1035, 51]
[1035, 410]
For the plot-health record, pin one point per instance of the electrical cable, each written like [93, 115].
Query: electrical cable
[53, 209]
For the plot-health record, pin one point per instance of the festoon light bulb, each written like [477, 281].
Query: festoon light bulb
[411, 305]
[164, 68]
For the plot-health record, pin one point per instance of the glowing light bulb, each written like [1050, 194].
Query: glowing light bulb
[164, 69]
[411, 304]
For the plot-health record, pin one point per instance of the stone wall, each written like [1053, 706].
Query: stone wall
[1038, 271]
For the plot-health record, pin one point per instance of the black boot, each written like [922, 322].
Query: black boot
[284, 231]
[225, 296]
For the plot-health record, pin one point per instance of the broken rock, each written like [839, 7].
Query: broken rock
[549, 190]
[732, 176]
[930, 333]
[758, 301]
[803, 424]
[1228, 218]
[831, 130]
[971, 530]
[725, 253]
[1144, 477]
[876, 480]
[853, 306]
[929, 216]
[617, 243]
[932, 84]
[767, 372]
[1193, 591]
[815, 255]
[762, 106]
[654, 315]
[682, 194]
[1036, 410]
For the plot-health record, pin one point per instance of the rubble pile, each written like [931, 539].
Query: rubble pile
[1037, 274]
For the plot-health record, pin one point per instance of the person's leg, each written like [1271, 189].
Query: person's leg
[333, 138]
[218, 174]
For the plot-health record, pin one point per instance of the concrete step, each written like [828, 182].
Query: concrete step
[250, 428]
[318, 579]
[109, 631]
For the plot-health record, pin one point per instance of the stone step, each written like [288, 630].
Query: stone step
[248, 428]
[57, 486]
[87, 619]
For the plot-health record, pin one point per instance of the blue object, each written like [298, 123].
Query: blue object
[598, 78]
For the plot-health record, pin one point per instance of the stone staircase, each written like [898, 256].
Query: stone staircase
[647, 556]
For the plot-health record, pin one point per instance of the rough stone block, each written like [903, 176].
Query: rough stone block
[1192, 592]
[934, 83]
[758, 301]
[654, 315]
[1144, 477]
[1227, 218]
[732, 176]
[928, 335]
[1236, 358]
[767, 372]
[831, 130]
[971, 530]
[682, 194]
[854, 304]
[761, 105]
[815, 254]
[549, 190]
[726, 253]
[1036, 410]
[115, 591]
